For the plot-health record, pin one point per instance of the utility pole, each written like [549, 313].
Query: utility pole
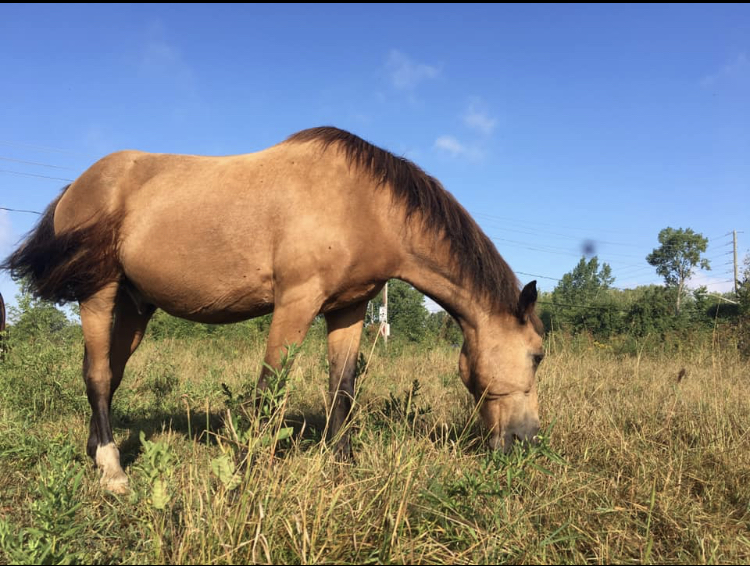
[385, 328]
[736, 277]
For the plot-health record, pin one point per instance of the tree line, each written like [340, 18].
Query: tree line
[584, 301]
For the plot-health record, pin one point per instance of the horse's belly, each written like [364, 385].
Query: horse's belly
[201, 292]
[204, 270]
[214, 304]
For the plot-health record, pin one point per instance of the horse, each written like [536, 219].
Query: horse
[315, 224]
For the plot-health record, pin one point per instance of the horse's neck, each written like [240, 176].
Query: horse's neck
[429, 266]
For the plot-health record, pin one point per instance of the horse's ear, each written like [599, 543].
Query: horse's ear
[526, 301]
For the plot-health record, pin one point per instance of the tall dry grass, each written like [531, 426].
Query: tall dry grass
[646, 458]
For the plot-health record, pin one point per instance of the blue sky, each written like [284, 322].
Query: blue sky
[555, 125]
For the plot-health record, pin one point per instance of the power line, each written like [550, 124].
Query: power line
[35, 175]
[500, 222]
[718, 282]
[559, 279]
[534, 224]
[594, 307]
[540, 276]
[40, 148]
[722, 236]
[556, 250]
[611, 286]
[36, 163]
[18, 210]
[534, 231]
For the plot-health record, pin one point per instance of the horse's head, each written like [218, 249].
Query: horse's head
[498, 364]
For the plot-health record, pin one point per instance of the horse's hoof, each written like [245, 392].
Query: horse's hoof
[113, 478]
[116, 485]
[344, 455]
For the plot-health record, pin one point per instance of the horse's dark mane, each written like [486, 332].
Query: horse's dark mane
[478, 259]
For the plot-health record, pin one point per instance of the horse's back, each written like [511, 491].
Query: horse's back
[219, 238]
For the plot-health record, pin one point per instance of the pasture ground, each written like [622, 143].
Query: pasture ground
[640, 462]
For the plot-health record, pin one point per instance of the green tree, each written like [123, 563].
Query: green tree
[581, 297]
[676, 258]
[407, 314]
[585, 283]
[743, 289]
[36, 319]
[743, 296]
[441, 326]
[651, 311]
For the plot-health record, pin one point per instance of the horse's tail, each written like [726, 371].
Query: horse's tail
[70, 266]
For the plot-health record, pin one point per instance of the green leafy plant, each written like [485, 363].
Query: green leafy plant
[157, 463]
[405, 408]
[255, 418]
[53, 537]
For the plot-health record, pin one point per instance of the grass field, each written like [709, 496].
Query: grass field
[641, 462]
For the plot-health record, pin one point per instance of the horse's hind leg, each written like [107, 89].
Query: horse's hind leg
[127, 333]
[344, 333]
[128, 330]
[96, 321]
[107, 348]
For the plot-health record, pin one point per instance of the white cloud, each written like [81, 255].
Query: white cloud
[160, 58]
[406, 74]
[450, 145]
[163, 61]
[713, 284]
[478, 118]
[738, 67]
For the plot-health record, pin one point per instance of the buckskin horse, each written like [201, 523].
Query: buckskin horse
[315, 224]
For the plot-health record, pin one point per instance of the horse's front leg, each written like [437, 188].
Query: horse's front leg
[292, 317]
[344, 334]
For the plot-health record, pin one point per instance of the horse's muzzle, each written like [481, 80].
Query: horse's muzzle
[525, 434]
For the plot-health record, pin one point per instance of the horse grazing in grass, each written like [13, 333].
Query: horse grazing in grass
[315, 224]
